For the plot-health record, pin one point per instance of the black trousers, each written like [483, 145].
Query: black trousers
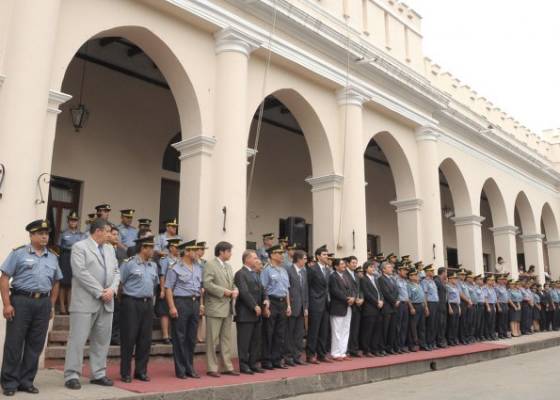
[431, 323]
[354, 337]
[556, 317]
[417, 326]
[402, 324]
[490, 322]
[183, 332]
[390, 340]
[464, 322]
[318, 332]
[249, 336]
[25, 339]
[478, 320]
[502, 318]
[276, 325]
[294, 338]
[116, 327]
[526, 317]
[453, 324]
[371, 333]
[441, 326]
[136, 334]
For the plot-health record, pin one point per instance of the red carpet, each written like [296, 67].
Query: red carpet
[163, 377]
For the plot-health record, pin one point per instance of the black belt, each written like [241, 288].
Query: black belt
[33, 295]
[193, 298]
[143, 299]
[276, 298]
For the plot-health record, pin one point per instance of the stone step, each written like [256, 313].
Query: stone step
[53, 352]
[61, 336]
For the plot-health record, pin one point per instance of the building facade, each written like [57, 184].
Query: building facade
[237, 114]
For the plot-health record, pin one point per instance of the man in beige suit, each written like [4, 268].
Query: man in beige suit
[220, 292]
[95, 280]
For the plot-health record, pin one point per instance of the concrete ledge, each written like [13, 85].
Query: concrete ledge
[294, 386]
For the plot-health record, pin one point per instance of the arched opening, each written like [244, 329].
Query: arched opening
[493, 210]
[391, 205]
[551, 242]
[524, 218]
[456, 213]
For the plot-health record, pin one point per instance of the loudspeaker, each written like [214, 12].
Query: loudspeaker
[296, 230]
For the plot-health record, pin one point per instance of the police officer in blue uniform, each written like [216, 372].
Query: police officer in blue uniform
[171, 227]
[138, 279]
[127, 231]
[503, 310]
[183, 289]
[66, 239]
[403, 311]
[144, 223]
[466, 307]
[102, 211]
[454, 309]
[490, 303]
[161, 308]
[432, 300]
[267, 239]
[276, 283]
[418, 308]
[28, 307]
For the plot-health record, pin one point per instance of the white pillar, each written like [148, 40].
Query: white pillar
[325, 192]
[532, 246]
[409, 226]
[506, 247]
[469, 242]
[428, 172]
[195, 186]
[352, 238]
[228, 201]
[24, 103]
[553, 247]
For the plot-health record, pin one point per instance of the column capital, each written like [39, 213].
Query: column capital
[231, 39]
[56, 98]
[325, 182]
[351, 96]
[504, 230]
[427, 133]
[553, 244]
[474, 220]
[407, 205]
[195, 146]
[534, 237]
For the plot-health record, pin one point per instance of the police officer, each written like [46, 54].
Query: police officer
[103, 211]
[127, 231]
[161, 308]
[267, 239]
[441, 324]
[171, 227]
[466, 308]
[144, 223]
[138, 279]
[454, 309]
[200, 250]
[28, 307]
[403, 309]
[183, 288]
[490, 304]
[276, 285]
[88, 222]
[503, 310]
[418, 308]
[432, 301]
[476, 311]
[480, 308]
[66, 239]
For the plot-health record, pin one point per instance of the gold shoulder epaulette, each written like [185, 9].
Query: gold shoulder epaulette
[19, 247]
[54, 252]
[128, 259]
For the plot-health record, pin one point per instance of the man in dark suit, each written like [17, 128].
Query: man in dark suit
[299, 299]
[354, 339]
[441, 323]
[371, 339]
[318, 330]
[390, 293]
[248, 313]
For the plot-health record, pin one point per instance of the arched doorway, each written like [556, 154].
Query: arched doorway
[494, 243]
[551, 242]
[529, 242]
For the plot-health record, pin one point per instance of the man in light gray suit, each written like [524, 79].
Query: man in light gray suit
[95, 282]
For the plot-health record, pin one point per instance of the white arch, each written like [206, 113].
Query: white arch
[458, 187]
[497, 203]
[526, 214]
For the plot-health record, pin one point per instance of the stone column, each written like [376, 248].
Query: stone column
[352, 237]
[428, 172]
[553, 247]
[409, 226]
[325, 192]
[227, 214]
[195, 186]
[24, 104]
[469, 242]
[506, 247]
[532, 246]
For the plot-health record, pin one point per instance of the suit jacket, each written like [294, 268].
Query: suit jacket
[251, 294]
[339, 289]
[91, 274]
[299, 294]
[372, 295]
[216, 279]
[390, 293]
[318, 286]
[442, 293]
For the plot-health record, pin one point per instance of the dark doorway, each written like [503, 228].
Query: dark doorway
[169, 201]
[372, 245]
[452, 258]
[64, 196]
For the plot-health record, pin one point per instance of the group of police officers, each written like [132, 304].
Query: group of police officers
[290, 308]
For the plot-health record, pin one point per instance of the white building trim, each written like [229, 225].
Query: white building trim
[473, 220]
[535, 237]
[504, 230]
[231, 39]
[553, 244]
[195, 146]
[407, 205]
[325, 182]
[57, 98]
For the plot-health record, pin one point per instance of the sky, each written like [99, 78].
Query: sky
[506, 50]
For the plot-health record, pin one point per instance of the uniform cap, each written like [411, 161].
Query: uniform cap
[275, 249]
[38, 225]
[129, 212]
[292, 246]
[452, 275]
[172, 222]
[201, 245]
[429, 267]
[145, 241]
[283, 239]
[144, 221]
[190, 245]
[102, 207]
[173, 242]
[268, 235]
[412, 271]
[73, 216]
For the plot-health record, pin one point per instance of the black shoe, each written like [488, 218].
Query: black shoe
[102, 381]
[391, 351]
[166, 340]
[378, 354]
[299, 362]
[258, 370]
[126, 379]
[267, 366]
[9, 392]
[142, 377]
[181, 376]
[246, 370]
[290, 363]
[115, 342]
[405, 350]
[73, 384]
[280, 366]
[193, 375]
[29, 389]
[231, 372]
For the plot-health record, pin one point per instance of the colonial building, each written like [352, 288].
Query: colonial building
[319, 118]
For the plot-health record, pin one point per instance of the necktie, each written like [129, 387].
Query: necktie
[255, 276]
[300, 278]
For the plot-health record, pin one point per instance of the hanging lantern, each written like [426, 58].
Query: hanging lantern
[80, 116]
